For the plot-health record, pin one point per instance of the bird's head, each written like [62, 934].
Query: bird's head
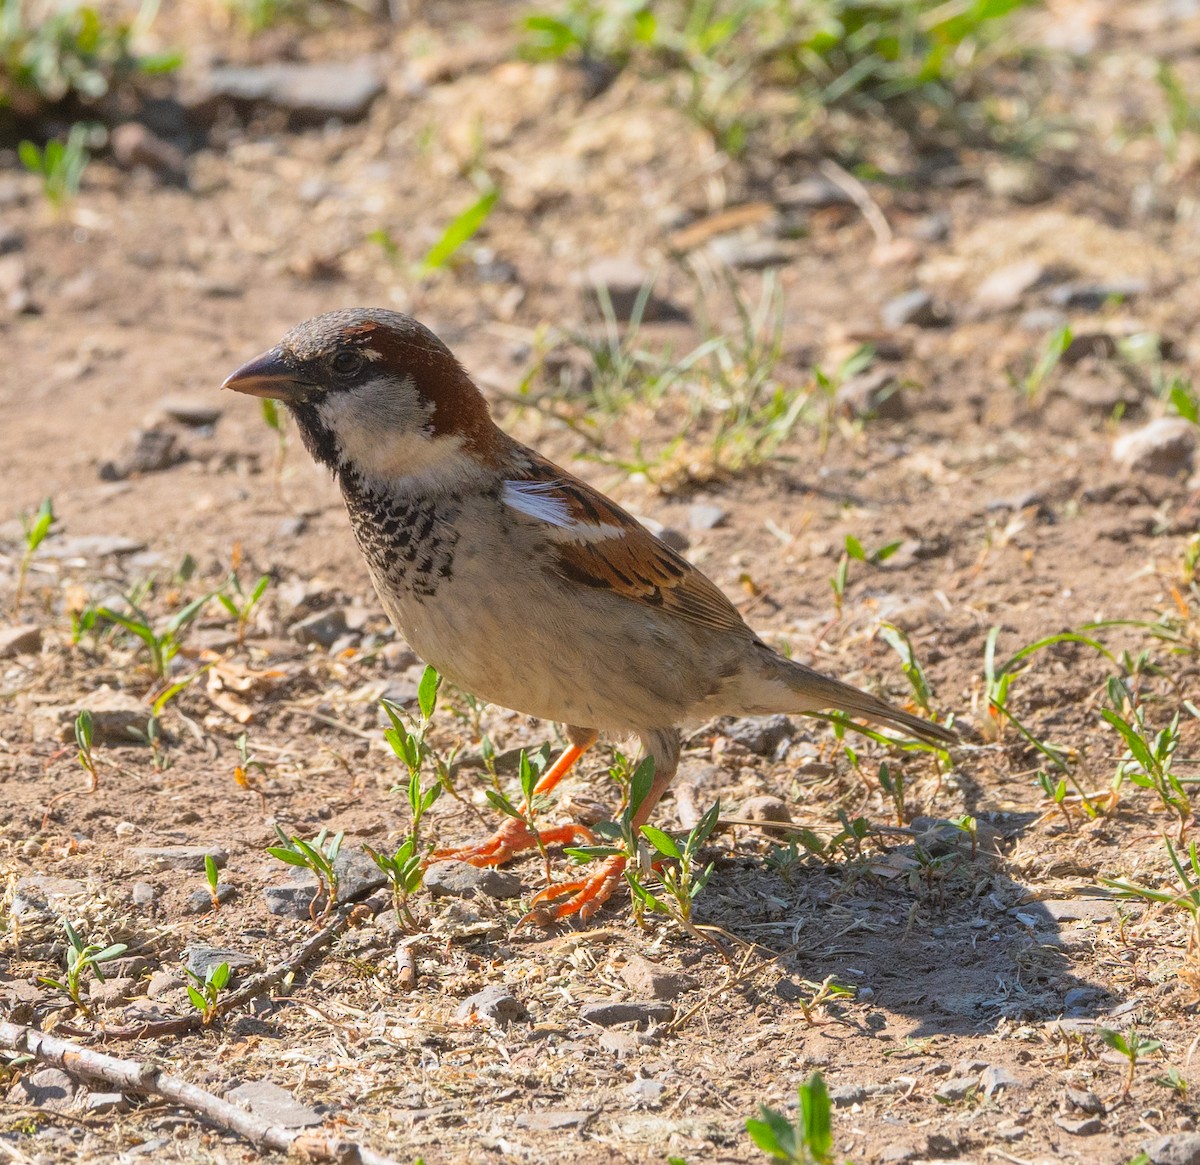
[374, 391]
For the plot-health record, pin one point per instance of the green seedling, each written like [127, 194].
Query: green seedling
[84, 733]
[204, 990]
[162, 642]
[461, 229]
[60, 165]
[900, 643]
[785, 859]
[1184, 895]
[970, 826]
[276, 420]
[1056, 793]
[681, 881]
[408, 737]
[242, 770]
[213, 877]
[319, 857]
[1147, 762]
[1048, 360]
[891, 781]
[820, 994]
[237, 602]
[806, 1141]
[82, 958]
[1175, 1080]
[530, 768]
[1130, 1045]
[35, 527]
[405, 868]
[1184, 399]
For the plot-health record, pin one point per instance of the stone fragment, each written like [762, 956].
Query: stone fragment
[495, 1003]
[1004, 288]
[1173, 1149]
[653, 981]
[1093, 296]
[995, 1079]
[274, 1104]
[179, 857]
[146, 451]
[324, 628]
[645, 1093]
[764, 807]
[549, 1122]
[915, 307]
[845, 1095]
[622, 283]
[1087, 1126]
[874, 393]
[310, 93]
[103, 1103]
[200, 901]
[142, 894]
[190, 410]
[111, 990]
[87, 546]
[43, 894]
[202, 959]
[460, 880]
[609, 1013]
[706, 516]
[134, 144]
[49, 1088]
[1164, 446]
[956, 1089]
[762, 735]
[162, 982]
[1085, 1100]
[24, 639]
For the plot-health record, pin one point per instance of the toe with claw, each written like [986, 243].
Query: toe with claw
[583, 897]
[512, 837]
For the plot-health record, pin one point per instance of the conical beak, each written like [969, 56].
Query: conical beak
[268, 375]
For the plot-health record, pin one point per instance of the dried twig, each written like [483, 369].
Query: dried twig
[149, 1080]
[861, 197]
[344, 917]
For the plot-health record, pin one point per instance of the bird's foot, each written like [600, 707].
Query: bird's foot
[583, 897]
[512, 837]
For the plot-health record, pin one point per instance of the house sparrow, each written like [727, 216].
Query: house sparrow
[516, 580]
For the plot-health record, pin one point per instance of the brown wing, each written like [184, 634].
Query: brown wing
[597, 544]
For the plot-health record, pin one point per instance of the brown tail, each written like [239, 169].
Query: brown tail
[817, 692]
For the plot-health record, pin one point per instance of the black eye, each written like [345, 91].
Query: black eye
[347, 362]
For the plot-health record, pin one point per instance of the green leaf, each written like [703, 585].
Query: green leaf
[288, 855]
[210, 870]
[31, 157]
[816, 1122]
[427, 691]
[640, 783]
[854, 548]
[459, 231]
[198, 1000]
[501, 802]
[661, 841]
[1114, 1040]
[218, 976]
[774, 1134]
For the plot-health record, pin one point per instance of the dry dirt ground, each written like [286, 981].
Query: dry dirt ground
[979, 978]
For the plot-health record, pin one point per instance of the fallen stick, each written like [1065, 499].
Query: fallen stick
[149, 1080]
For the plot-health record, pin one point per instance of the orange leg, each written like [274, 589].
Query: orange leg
[585, 896]
[514, 835]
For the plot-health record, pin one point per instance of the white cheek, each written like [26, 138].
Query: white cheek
[382, 428]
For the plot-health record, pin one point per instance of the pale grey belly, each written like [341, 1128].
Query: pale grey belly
[585, 657]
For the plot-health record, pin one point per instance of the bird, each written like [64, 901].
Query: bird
[521, 583]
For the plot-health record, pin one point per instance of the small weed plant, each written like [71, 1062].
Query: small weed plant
[1132, 1046]
[808, 1140]
[204, 991]
[319, 857]
[34, 528]
[82, 959]
[59, 164]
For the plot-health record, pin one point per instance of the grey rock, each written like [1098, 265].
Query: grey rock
[147, 451]
[1173, 1149]
[652, 981]
[1093, 296]
[117, 718]
[645, 1093]
[111, 991]
[764, 807]
[611, 1013]
[706, 516]
[1004, 288]
[200, 901]
[48, 1088]
[753, 254]
[308, 93]
[294, 898]
[202, 959]
[897, 1155]
[1085, 1101]
[1164, 446]
[874, 393]
[357, 875]
[134, 144]
[496, 1003]
[912, 307]
[813, 193]
[622, 282]
[1042, 319]
[995, 1079]
[179, 857]
[43, 894]
[274, 1104]
[459, 880]
[1085, 345]
[163, 982]
[24, 639]
[956, 1089]
[1087, 1126]
[324, 628]
[190, 410]
[88, 546]
[142, 894]
[1016, 181]
[762, 735]
[101, 1103]
[844, 1095]
[1079, 997]
[129, 966]
[549, 1122]
[1082, 908]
